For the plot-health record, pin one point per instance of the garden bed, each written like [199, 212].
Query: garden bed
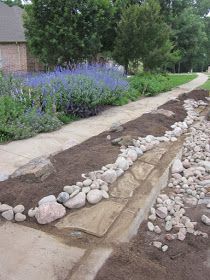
[91, 155]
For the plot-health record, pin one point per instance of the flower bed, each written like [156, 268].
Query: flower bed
[43, 102]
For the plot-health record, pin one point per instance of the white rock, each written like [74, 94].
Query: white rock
[177, 166]
[119, 172]
[205, 220]
[86, 189]
[8, 215]
[77, 201]
[157, 244]
[32, 212]
[18, 209]
[87, 182]
[74, 193]
[94, 196]
[150, 226]
[208, 205]
[47, 199]
[165, 248]
[19, 217]
[109, 176]
[71, 189]
[105, 194]
[152, 217]
[132, 154]
[122, 163]
[104, 188]
[49, 212]
[5, 207]
[168, 226]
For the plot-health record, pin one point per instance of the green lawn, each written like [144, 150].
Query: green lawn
[206, 85]
[179, 79]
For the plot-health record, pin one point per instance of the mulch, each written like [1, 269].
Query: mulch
[91, 155]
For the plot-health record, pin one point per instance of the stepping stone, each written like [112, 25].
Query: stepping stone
[125, 186]
[153, 156]
[32, 254]
[95, 220]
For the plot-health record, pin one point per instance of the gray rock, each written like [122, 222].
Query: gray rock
[47, 199]
[19, 217]
[87, 182]
[74, 193]
[63, 197]
[157, 229]
[77, 201]
[8, 215]
[5, 207]
[105, 194]
[94, 196]
[36, 170]
[132, 154]
[162, 212]
[116, 127]
[109, 176]
[49, 212]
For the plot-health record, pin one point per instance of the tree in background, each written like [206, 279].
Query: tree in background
[143, 35]
[12, 2]
[60, 31]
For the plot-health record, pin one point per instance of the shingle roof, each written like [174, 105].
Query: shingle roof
[11, 24]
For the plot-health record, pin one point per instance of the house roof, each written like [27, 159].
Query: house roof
[11, 24]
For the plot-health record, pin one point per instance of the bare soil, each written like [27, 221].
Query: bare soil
[140, 260]
[91, 155]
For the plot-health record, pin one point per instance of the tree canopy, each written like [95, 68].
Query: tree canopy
[163, 34]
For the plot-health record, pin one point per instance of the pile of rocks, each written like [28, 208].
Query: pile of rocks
[189, 185]
[10, 213]
[95, 185]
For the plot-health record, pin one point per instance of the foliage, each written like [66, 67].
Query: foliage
[143, 35]
[149, 84]
[60, 32]
[35, 103]
[12, 3]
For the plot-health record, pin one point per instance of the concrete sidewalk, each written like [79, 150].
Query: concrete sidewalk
[18, 153]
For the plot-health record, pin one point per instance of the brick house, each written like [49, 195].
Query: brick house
[14, 55]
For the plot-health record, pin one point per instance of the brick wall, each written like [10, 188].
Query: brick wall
[14, 57]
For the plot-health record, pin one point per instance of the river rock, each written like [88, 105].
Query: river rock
[157, 244]
[109, 176]
[150, 226]
[19, 217]
[177, 166]
[8, 215]
[132, 154]
[77, 201]
[18, 209]
[49, 212]
[47, 199]
[94, 196]
[63, 197]
[71, 189]
[32, 212]
[122, 163]
[205, 220]
[5, 207]
[165, 248]
[162, 212]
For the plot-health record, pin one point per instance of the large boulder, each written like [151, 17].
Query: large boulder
[36, 170]
[49, 212]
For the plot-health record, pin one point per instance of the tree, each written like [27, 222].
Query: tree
[62, 31]
[12, 2]
[190, 39]
[143, 35]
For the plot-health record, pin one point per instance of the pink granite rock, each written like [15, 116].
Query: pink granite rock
[49, 212]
